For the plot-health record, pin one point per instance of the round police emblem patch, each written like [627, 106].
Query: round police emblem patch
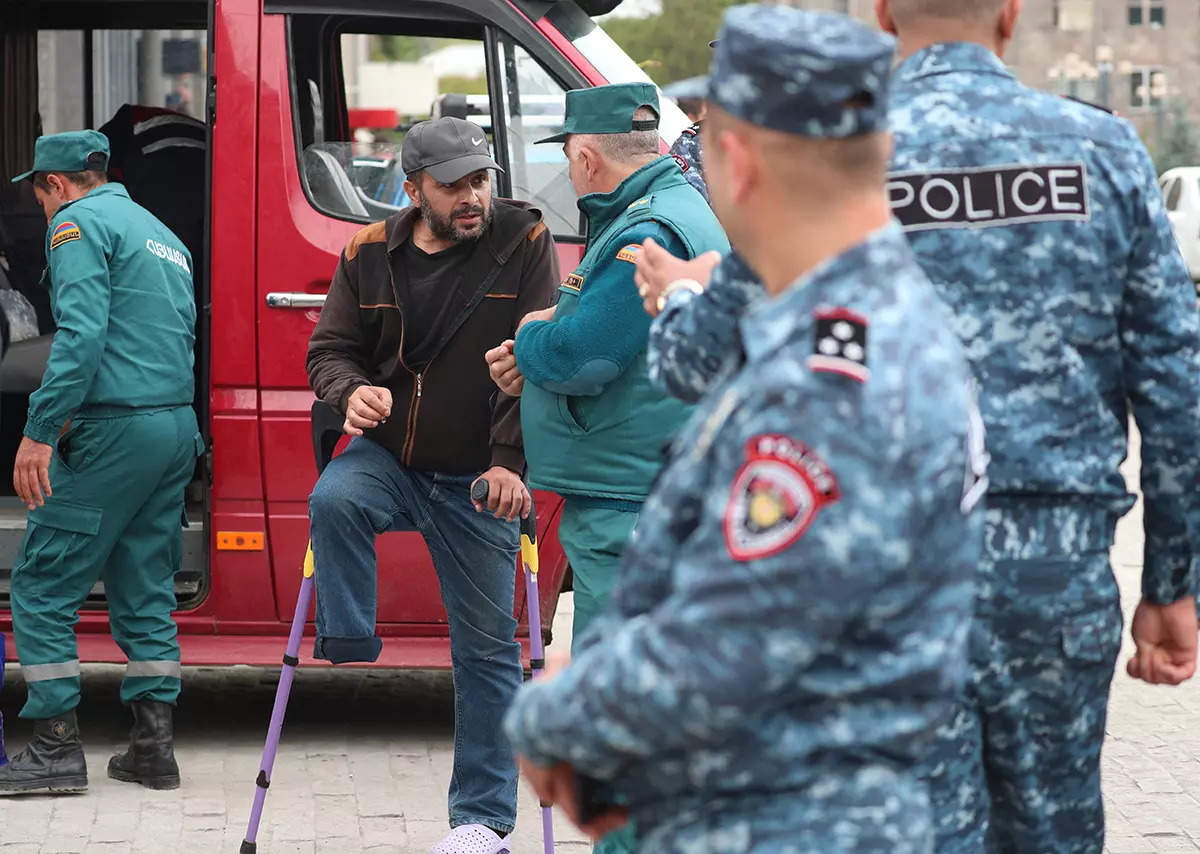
[775, 497]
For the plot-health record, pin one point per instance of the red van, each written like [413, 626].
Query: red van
[292, 113]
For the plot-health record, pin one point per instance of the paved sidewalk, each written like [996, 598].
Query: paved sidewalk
[365, 761]
[1151, 759]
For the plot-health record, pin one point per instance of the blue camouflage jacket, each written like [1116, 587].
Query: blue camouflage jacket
[686, 152]
[791, 619]
[695, 335]
[1040, 222]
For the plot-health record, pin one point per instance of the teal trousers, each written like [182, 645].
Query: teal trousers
[594, 538]
[118, 479]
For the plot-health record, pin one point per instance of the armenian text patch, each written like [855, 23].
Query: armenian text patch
[840, 343]
[629, 253]
[775, 496]
[989, 197]
[573, 282]
[65, 233]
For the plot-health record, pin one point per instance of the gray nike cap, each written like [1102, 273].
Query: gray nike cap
[449, 149]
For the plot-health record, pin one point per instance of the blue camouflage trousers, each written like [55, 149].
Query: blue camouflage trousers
[874, 810]
[1017, 767]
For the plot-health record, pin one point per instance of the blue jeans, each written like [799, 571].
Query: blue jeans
[365, 492]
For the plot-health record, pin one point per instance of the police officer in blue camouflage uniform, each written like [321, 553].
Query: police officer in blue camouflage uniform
[1040, 223]
[686, 152]
[791, 620]
[1074, 303]
[686, 349]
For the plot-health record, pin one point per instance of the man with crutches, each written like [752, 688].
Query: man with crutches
[415, 303]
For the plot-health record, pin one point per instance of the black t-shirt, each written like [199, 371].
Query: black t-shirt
[432, 292]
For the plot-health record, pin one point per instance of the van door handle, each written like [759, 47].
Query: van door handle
[280, 299]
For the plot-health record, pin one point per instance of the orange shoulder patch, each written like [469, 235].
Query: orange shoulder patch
[376, 232]
[537, 231]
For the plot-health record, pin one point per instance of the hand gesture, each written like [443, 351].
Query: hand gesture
[31, 473]
[507, 495]
[1166, 639]
[368, 407]
[657, 268]
[502, 366]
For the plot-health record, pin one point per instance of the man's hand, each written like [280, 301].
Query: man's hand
[502, 365]
[1165, 636]
[558, 786]
[368, 407]
[544, 314]
[657, 268]
[31, 474]
[507, 495]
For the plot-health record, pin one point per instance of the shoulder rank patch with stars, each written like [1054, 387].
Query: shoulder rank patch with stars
[629, 253]
[840, 344]
[775, 496]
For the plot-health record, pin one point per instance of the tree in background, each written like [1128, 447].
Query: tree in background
[1179, 145]
[674, 44]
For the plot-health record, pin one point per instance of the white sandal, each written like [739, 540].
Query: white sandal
[472, 839]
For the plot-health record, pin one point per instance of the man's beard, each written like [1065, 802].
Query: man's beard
[447, 229]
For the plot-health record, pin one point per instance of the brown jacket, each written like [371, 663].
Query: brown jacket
[450, 417]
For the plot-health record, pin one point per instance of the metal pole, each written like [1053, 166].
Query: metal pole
[89, 81]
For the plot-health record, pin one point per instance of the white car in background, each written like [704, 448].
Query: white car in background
[1181, 189]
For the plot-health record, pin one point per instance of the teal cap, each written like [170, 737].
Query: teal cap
[73, 151]
[607, 109]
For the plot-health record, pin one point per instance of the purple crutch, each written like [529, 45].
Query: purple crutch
[275, 729]
[326, 429]
[537, 660]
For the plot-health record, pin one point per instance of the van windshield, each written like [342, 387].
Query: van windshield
[610, 60]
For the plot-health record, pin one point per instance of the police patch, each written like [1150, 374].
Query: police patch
[629, 253]
[989, 197]
[573, 282]
[840, 344]
[683, 164]
[64, 233]
[775, 496]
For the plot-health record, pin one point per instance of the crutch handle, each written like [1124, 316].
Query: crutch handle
[479, 492]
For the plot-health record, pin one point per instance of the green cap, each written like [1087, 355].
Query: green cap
[607, 109]
[74, 151]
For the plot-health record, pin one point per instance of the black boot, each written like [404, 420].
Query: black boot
[53, 761]
[150, 759]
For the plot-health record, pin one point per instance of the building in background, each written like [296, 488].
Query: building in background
[154, 68]
[1137, 57]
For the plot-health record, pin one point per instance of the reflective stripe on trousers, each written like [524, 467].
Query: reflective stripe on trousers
[166, 668]
[57, 670]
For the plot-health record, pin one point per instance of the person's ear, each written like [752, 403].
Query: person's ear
[742, 165]
[413, 191]
[883, 14]
[1007, 25]
[589, 159]
[58, 187]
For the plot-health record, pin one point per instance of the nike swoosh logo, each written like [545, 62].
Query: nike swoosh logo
[475, 141]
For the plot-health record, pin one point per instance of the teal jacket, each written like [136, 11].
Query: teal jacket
[593, 424]
[122, 295]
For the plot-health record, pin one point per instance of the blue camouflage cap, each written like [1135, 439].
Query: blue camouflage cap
[808, 73]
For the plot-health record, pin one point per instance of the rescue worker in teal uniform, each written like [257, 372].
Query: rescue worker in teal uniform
[110, 444]
[595, 429]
